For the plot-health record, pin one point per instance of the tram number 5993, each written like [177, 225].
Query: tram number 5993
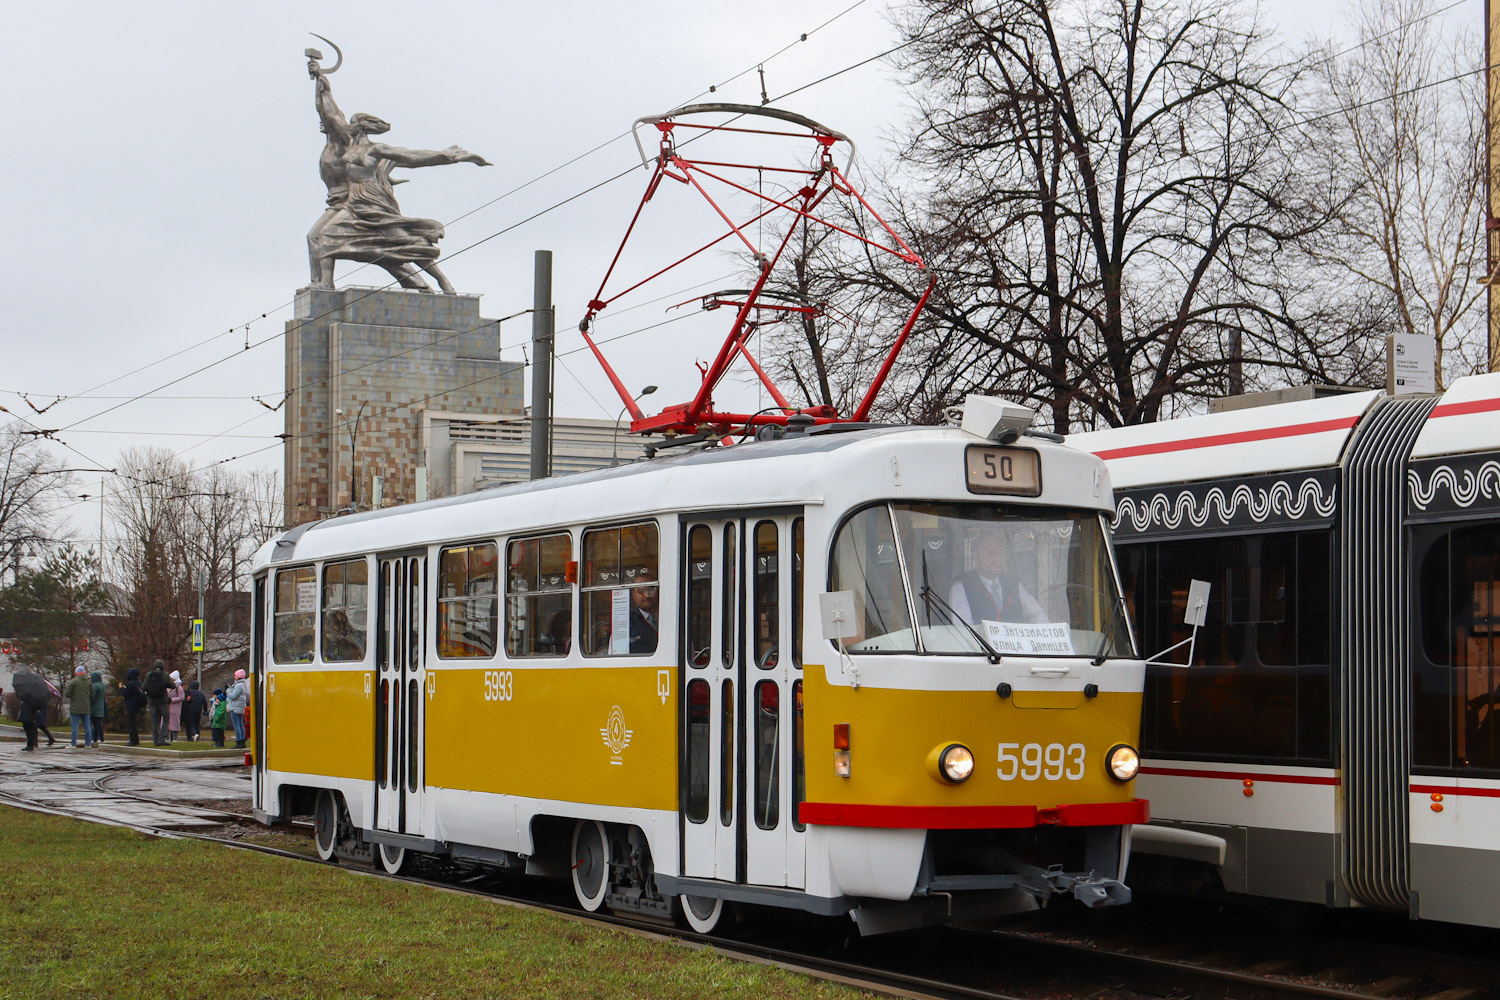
[1053, 761]
[499, 685]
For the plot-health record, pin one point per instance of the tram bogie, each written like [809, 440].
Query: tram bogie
[625, 679]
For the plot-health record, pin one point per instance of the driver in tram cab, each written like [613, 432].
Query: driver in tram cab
[988, 592]
[643, 620]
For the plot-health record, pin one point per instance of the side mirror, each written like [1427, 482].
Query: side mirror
[837, 612]
[1195, 614]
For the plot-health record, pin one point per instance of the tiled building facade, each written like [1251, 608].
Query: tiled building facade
[383, 357]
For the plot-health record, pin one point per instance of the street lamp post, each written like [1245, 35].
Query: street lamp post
[614, 451]
[353, 464]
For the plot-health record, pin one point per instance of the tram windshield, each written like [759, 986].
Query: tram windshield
[966, 578]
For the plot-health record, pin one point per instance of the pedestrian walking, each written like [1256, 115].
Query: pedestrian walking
[135, 700]
[41, 719]
[239, 700]
[157, 687]
[175, 698]
[98, 705]
[33, 692]
[218, 720]
[80, 693]
[192, 711]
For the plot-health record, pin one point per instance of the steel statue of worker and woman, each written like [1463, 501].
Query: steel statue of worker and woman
[363, 221]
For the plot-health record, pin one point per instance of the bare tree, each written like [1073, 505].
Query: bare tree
[32, 486]
[1116, 200]
[179, 529]
[1410, 238]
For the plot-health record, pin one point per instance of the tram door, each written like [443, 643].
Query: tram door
[771, 701]
[710, 632]
[400, 701]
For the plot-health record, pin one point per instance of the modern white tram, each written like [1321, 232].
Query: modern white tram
[1335, 740]
[736, 674]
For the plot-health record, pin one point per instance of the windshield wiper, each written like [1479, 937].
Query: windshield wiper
[1104, 636]
[930, 596]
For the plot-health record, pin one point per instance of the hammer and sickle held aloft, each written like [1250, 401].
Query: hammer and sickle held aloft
[315, 54]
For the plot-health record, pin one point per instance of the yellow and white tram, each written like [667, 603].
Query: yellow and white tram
[878, 671]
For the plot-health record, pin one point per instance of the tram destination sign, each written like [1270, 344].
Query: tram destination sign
[997, 469]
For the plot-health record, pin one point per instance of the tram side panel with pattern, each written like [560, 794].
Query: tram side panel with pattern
[483, 676]
[1331, 741]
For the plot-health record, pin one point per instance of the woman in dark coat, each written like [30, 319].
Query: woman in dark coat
[135, 700]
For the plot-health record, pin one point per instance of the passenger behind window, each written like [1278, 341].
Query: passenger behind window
[643, 617]
[989, 592]
[341, 643]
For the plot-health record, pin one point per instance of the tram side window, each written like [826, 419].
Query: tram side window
[296, 609]
[698, 717]
[767, 596]
[1259, 687]
[700, 595]
[538, 596]
[346, 609]
[798, 594]
[620, 591]
[467, 615]
[864, 561]
[767, 755]
[1456, 689]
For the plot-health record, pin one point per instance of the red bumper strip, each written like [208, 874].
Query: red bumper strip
[1291, 779]
[974, 817]
[1487, 793]
[1237, 437]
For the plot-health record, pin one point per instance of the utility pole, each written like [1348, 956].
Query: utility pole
[202, 583]
[543, 329]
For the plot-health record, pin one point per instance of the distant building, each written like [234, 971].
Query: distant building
[464, 452]
[383, 357]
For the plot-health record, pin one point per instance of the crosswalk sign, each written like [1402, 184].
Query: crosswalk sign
[197, 635]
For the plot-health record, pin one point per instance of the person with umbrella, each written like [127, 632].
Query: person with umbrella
[33, 691]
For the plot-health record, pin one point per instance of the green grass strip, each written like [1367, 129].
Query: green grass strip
[96, 911]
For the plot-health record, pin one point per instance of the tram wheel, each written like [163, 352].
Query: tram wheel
[702, 914]
[590, 864]
[326, 817]
[393, 860]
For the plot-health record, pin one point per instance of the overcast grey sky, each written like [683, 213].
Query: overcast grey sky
[163, 174]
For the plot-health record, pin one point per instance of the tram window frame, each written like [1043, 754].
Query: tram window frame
[767, 754]
[698, 597]
[358, 633]
[799, 756]
[1456, 648]
[548, 586]
[297, 577]
[698, 736]
[602, 574]
[1237, 706]
[465, 598]
[799, 587]
[766, 595]
[868, 603]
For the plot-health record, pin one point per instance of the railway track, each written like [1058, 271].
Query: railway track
[1023, 961]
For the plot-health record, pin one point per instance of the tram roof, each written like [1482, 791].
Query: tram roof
[705, 480]
[1306, 434]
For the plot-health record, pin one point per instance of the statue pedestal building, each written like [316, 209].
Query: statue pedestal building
[383, 357]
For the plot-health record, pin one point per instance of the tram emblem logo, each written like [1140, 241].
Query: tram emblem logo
[615, 735]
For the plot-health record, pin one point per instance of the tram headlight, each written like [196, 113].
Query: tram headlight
[1123, 762]
[956, 763]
